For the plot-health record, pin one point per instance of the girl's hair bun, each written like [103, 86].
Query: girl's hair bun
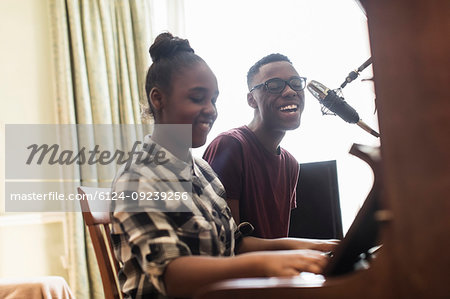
[167, 46]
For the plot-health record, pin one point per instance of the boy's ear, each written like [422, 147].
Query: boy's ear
[251, 100]
[156, 98]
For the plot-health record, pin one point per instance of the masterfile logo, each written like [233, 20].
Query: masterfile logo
[91, 157]
[46, 163]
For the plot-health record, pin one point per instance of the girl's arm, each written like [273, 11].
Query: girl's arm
[249, 244]
[186, 275]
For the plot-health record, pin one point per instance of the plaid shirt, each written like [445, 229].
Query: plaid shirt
[145, 242]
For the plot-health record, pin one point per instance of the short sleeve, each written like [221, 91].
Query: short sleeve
[149, 237]
[152, 242]
[225, 157]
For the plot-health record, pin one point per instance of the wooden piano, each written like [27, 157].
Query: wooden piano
[410, 44]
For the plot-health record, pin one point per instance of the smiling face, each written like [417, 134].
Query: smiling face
[281, 111]
[192, 100]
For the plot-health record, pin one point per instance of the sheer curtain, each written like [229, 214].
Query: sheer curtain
[100, 49]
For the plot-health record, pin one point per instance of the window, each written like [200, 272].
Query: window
[325, 40]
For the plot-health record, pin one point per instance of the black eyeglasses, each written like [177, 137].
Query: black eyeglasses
[277, 85]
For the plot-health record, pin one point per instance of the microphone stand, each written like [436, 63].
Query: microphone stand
[354, 74]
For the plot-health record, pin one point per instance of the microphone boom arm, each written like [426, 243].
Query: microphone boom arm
[354, 74]
[368, 129]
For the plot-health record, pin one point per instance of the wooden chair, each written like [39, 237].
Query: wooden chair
[98, 222]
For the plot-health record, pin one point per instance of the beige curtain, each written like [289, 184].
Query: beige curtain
[100, 50]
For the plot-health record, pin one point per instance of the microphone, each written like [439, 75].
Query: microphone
[354, 74]
[329, 99]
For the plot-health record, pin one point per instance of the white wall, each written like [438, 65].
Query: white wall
[26, 86]
[26, 93]
[30, 244]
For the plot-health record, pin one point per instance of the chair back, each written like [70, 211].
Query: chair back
[97, 220]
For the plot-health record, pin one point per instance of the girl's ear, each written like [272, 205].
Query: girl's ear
[251, 100]
[156, 98]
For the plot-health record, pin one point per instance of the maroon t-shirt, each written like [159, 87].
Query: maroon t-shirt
[263, 182]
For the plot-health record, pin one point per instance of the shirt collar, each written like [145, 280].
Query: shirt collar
[182, 168]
